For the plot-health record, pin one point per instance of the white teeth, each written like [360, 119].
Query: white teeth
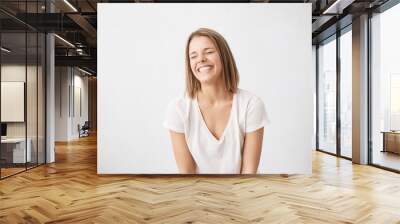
[204, 68]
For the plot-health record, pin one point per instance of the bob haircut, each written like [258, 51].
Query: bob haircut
[229, 71]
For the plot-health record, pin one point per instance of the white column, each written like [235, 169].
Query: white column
[50, 93]
[50, 110]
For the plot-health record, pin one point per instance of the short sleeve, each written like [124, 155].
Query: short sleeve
[256, 115]
[173, 119]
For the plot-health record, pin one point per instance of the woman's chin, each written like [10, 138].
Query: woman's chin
[206, 79]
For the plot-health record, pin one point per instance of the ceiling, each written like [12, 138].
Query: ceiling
[76, 22]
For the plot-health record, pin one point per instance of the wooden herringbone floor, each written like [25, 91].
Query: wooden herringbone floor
[70, 191]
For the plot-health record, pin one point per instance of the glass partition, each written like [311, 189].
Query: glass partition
[22, 77]
[41, 109]
[13, 108]
[33, 73]
[32, 95]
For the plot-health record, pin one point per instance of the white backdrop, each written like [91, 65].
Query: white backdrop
[141, 69]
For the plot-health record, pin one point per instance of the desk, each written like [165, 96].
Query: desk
[391, 141]
[15, 148]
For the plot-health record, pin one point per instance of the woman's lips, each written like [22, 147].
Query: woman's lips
[204, 68]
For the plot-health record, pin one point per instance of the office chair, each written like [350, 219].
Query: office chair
[84, 130]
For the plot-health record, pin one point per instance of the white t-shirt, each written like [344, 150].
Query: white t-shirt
[213, 156]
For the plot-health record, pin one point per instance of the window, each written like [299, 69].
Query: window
[346, 94]
[385, 88]
[327, 96]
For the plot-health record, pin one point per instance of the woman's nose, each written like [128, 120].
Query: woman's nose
[202, 58]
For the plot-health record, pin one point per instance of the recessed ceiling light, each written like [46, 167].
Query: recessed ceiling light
[338, 6]
[5, 50]
[64, 40]
[70, 5]
[86, 72]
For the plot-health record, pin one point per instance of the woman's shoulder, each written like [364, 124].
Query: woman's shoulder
[252, 110]
[181, 103]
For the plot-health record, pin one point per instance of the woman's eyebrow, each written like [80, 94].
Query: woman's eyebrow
[193, 52]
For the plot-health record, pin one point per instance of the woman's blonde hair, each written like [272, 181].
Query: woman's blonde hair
[229, 71]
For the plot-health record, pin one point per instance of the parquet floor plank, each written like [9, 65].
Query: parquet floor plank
[70, 191]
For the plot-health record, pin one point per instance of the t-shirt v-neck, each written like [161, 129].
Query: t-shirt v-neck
[227, 125]
[212, 156]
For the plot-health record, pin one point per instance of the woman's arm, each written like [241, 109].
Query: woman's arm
[184, 159]
[252, 151]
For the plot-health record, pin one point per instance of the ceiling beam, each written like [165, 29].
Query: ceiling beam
[86, 26]
[85, 61]
[337, 7]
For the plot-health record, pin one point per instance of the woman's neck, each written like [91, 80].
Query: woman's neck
[213, 95]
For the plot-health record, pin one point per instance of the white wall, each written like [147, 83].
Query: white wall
[18, 73]
[68, 80]
[141, 68]
[61, 103]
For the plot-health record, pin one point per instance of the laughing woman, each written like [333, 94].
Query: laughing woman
[216, 128]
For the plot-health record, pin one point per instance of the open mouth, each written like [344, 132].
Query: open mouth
[204, 68]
